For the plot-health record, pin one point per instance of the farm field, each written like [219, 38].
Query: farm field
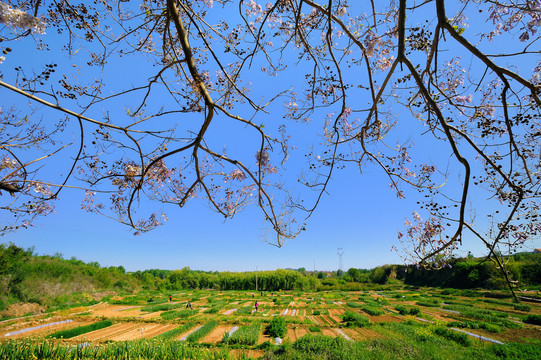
[426, 318]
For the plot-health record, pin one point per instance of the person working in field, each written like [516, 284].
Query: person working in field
[189, 305]
[170, 298]
[256, 306]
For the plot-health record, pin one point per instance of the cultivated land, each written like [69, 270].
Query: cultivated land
[392, 314]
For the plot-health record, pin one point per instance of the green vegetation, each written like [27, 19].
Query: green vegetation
[202, 331]
[142, 349]
[533, 319]
[277, 327]
[182, 314]
[371, 310]
[407, 310]
[171, 334]
[352, 319]
[246, 335]
[67, 334]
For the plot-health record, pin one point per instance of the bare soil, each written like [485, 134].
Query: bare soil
[17, 310]
[295, 333]
[217, 334]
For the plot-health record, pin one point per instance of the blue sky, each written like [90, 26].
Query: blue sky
[360, 213]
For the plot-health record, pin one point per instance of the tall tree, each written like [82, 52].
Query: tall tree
[152, 91]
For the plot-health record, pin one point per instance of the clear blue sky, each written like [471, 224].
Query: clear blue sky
[359, 214]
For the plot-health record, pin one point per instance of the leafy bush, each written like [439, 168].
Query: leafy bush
[314, 329]
[407, 310]
[316, 312]
[67, 334]
[352, 319]
[522, 307]
[475, 325]
[458, 337]
[533, 319]
[370, 310]
[277, 327]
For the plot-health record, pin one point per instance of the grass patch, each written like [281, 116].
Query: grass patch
[533, 319]
[352, 319]
[246, 335]
[182, 314]
[370, 310]
[67, 334]
[171, 334]
[201, 332]
[162, 307]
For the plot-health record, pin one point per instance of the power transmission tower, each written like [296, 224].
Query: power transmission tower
[340, 253]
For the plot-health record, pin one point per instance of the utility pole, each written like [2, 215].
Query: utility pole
[256, 278]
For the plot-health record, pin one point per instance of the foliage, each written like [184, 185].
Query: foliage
[533, 319]
[277, 327]
[182, 314]
[476, 106]
[371, 310]
[353, 319]
[407, 310]
[246, 335]
[171, 334]
[142, 349]
[202, 331]
[67, 334]
[455, 336]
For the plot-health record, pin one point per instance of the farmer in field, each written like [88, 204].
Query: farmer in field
[256, 306]
[189, 305]
[170, 298]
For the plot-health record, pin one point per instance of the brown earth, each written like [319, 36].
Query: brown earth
[108, 332]
[217, 334]
[329, 332]
[247, 354]
[360, 334]
[141, 331]
[41, 331]
[385, 318]
[295, 333]
[17, 310]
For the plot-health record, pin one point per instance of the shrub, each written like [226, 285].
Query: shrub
[277, 327]
[458, 337]
[352, 319]
[407, 310]
[314, 329]
[533, 319]
[316, 312]
[353, 304]
[522, 307]
[370, 310]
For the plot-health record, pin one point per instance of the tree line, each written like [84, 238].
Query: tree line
[26, 277]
